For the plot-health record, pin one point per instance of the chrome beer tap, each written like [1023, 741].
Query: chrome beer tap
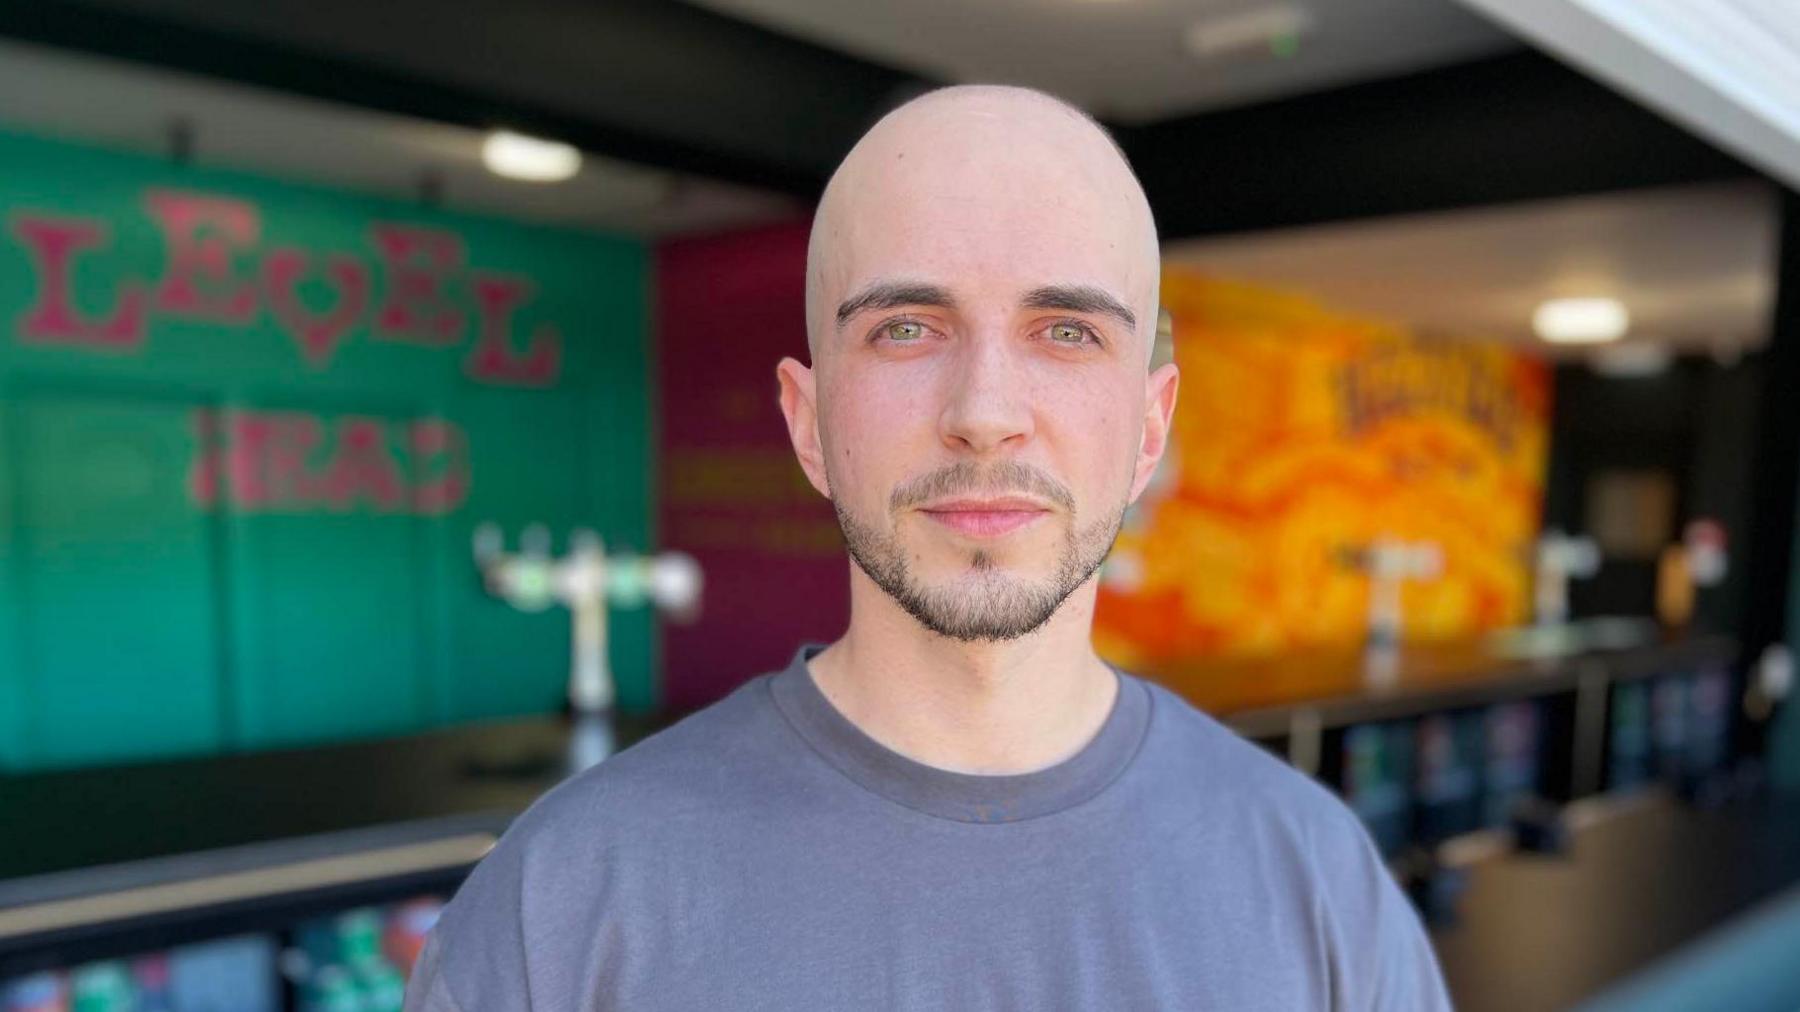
[586, 581]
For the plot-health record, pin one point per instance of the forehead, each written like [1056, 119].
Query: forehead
[1016, 217]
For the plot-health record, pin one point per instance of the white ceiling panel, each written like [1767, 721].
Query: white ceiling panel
[1694, 265]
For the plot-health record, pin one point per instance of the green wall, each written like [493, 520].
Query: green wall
[246, 430]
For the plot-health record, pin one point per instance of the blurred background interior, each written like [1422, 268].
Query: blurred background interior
[387, 428]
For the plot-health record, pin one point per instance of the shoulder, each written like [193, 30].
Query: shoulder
[699, 762]
[1193, 750]
[1375, 946]
[530, 906]
[1233, 768]
[625, 811]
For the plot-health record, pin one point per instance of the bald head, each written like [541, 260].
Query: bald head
[981, 303]
[986, 185]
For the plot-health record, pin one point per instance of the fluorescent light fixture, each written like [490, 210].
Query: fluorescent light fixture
[531, 159]
[1273, 28]
[1581, 321]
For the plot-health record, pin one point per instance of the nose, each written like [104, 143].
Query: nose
[987, 405]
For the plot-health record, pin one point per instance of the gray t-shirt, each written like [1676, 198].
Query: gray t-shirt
[765, 853]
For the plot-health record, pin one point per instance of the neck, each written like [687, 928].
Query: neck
[985, 708]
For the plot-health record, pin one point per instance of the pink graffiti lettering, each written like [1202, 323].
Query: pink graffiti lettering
[201, 235]
[52, 244]
[493, 359]
[317, 333]
[214, 272]
[417, 263]
[363, 469]
[280, 461]
[441, 453]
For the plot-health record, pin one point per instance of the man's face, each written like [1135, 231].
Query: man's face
[981, 404]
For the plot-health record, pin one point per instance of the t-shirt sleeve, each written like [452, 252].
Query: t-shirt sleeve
[427, 990]
[474, 957]
[1382, 958]
[1406, 975]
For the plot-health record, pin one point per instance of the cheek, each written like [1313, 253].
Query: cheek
[876, 433]
[1095, 428]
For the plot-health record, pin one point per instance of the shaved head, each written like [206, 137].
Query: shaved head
[998, 152]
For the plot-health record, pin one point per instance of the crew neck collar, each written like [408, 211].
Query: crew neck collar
[964, 797]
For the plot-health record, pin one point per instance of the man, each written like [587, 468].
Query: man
[957, 805]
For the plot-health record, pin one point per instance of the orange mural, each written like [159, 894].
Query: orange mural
[1301, 436]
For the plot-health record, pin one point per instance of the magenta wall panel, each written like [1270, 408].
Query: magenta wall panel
[727, 308]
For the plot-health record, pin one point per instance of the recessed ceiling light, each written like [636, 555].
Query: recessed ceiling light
[531, 159]
[1581, 321]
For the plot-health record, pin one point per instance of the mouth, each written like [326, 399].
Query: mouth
[986, 518]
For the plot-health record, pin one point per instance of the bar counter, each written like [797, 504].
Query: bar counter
[95, 863]
[1293, 700]
[1261, 696]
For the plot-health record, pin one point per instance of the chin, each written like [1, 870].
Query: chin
[987, 566]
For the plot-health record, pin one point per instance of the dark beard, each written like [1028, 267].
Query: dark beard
[996, 608]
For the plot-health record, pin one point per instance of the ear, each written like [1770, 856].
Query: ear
[1159, 414]
[799, 405]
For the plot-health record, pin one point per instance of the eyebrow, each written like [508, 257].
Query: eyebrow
[888, 294]
[1080, 299]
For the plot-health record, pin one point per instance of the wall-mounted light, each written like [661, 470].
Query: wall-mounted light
[531, 159]
[1581, 321]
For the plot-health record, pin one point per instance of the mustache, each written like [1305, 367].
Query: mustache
[966, 478]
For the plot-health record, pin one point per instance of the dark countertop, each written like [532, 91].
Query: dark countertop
[1258, 696]
[101, 863]
[59, 821]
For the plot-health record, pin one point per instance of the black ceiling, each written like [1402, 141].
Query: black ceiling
[646, 80]
[1513, 127]
[671, 85]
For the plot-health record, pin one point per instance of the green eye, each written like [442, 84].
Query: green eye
[1067, 333]
[905, 330]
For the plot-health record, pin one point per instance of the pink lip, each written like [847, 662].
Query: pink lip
[985, 518]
